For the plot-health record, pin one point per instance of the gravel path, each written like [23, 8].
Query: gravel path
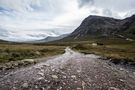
[70, 71]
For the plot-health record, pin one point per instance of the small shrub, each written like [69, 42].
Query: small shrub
[79, 46]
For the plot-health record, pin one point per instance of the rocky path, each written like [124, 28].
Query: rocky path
[70, 71]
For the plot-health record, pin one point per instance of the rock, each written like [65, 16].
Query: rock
[94, 44]
[64, 77]
[54, 76]
[113, 88]
[83, 84]
[79, 89]
[40, 78]
[78, 71]
[53, 70]
[59, 88]
[25, 85]
[38, 53]
[134, 73]
[42, 88]
[46, 65]
[41, 74]
[29, 60]
[73, 76]
[122, 80]
[121, 69]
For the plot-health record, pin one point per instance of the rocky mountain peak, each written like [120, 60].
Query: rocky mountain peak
[98, 26]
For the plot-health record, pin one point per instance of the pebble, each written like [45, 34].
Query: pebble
[42, 88]
[73, 76]
[41, 78]
[79, 89]
[54, 76]
[121, 69]
[41, 74]
[122, 80]
[113, 88]
[78, 71]
[64, 77]
[46, 65]
[25, 85]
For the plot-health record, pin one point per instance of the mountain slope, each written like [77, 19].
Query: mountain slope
[97, 27]
[3, 41]
[50, 38]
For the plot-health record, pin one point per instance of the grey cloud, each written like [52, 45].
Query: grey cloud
[4, 33]
[107, 12]
[85, 2]
[95, 11]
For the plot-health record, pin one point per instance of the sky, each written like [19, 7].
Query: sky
[24, 20]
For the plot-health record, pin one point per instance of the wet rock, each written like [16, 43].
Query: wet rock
[64, 77]
[14, 88]
[54, 77]
[25, 85]
[29, 61]
[46, 65]
[39, 79]
[79, 89]
[113, 88]
[53, 70]
[41, 74]
[83, 85]
[121, 69]
[122, 80]
[73, 76]
[60, 88]
[78, 71]
[42, 88]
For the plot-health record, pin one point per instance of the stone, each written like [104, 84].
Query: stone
[79, 89]
[25, 85]
[54, 76]
[64, 77]
[113, 88]
[73, 76]
[41, 74]
[78, 71]
[121, 69]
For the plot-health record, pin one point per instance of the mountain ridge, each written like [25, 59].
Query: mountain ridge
[99, 26]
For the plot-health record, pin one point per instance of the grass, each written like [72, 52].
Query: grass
[111, 48]
[15, 52]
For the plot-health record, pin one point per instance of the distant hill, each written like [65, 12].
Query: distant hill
[49, 39]
[3, 41]
[104, 27]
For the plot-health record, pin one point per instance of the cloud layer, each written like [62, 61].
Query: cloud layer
[37, 19]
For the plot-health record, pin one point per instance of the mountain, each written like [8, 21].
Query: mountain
[50, 38]
[100, 27]
[3, 41]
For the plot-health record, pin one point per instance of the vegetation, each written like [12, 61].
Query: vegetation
[15, 52]
[115, 49]
[111, 48]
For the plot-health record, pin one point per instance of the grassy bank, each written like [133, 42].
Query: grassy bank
[112, 49]
[16, 52]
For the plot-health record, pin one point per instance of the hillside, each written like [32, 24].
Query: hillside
[50, 38]
[3, 41]
[102, 27]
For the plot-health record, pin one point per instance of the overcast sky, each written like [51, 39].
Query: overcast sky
[36, 19]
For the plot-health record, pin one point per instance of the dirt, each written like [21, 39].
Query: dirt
[70, 71]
